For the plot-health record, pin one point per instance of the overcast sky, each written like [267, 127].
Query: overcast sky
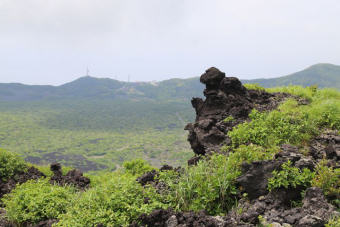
[53, 41]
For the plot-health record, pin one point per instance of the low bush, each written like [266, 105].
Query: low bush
[137, 167]
[328, 179]
[291, 123]
[10, 164]
[34, 201]
[254, 87]
[116, 201]
[210, 185]
[272, 129]
[290, 176]
[333, 222]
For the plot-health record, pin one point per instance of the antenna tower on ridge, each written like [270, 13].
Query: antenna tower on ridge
[87, 71]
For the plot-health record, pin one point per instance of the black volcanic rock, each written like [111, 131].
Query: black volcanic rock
[32, 173]
[225, 96]
[169, 218]
[74, 177]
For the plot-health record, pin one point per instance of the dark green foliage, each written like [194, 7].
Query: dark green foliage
[291, 123]
[271, 129]
[10, 164]
[137, 167]
[290, 177]
[328, 179]
[333, 222]
[34, 201]
[211, 184]
[114, 201]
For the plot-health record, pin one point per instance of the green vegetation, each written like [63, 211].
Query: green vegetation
[328, 179]
[94, 135]
[115, 201]
[137, 167]
[333, 222]
[211, 184]
[34, 201]
[228, 119]
[116, 198]
[291, 123]
[254, 86]
[10, 164]
[290, 177]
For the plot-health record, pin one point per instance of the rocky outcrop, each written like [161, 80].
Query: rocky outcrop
[73, 177]
[31, 173]
[326, 145]
[255, 176]
[225, 97]
[169, 218]
[315, 210]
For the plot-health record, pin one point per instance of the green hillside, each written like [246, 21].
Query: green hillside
[323, 75]
[95, 123]
[103, 88]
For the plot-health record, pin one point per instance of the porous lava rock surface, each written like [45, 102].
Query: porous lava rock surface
[225, 97]
[273, 207]
[255, 176]
[74, 177]
[326, 145]
[19, 178]
[169, 218]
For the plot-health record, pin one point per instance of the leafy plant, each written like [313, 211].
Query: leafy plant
[328, 179]
[228, 119]
[255, 86]
[290, 177]
[34, 201]
[137, 167]
[117, 201]
[10, 164]
[210, 185]
[333, 222]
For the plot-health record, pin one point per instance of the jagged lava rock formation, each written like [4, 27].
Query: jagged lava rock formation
[225, 97]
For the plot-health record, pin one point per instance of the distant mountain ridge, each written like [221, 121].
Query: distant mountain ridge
[91, 87]
[323, 75]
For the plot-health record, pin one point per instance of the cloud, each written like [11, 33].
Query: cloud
[52, 41]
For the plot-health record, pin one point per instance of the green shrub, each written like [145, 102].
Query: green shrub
[333, 222]
[255, 86]
[328, 179]
[290, 177]
[117, 201]
[228, 119]
[210, 185]
[290, 123]
[304, 92]
[34, 201]
[137, 167]
[272, 129]
[10, 164]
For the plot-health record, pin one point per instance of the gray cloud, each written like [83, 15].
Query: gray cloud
[53, 41]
